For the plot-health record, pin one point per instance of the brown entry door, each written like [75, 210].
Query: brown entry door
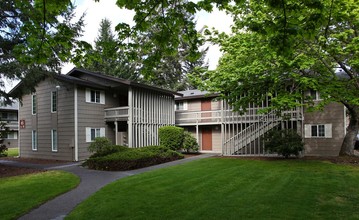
[206, 138]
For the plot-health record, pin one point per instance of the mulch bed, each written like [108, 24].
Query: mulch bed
[7, 171]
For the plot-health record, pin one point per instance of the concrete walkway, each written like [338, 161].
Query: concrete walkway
[91, 181]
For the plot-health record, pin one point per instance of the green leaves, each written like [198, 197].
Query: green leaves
[286, 48]
[36, 37]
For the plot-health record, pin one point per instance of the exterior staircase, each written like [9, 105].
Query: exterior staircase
[251, 136]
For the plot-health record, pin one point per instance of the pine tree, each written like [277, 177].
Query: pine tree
[107, 55]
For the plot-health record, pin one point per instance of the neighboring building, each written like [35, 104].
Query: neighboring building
[220, 129]
[68, 112]
[9, 117]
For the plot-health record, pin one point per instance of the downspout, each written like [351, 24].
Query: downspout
[76, 149]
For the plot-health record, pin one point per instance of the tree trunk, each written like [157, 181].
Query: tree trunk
[350, 138]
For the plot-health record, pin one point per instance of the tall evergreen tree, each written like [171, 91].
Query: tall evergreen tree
[166, 65]
[107, 55]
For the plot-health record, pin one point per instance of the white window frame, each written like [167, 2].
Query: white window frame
[99, 132]
[54, 140]
[54, 101]
[13, 135]
[33, 104]
[184, 106]
[101, 96]
[309, 134]
[316, 96]
[34, 140]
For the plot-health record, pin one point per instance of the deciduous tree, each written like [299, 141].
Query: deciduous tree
[35, 37]
[282, 48]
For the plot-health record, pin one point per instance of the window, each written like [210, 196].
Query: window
[8, 116]
[54, 140]
[34, 140]
[95, 96]
[95, 132]
[54, 101]
[34, 104]
[181, 105]
[12, 135]
[318, 131]
[314, 94]
[92, 133]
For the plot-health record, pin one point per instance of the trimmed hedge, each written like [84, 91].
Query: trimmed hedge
[171, 137]
[133, 158]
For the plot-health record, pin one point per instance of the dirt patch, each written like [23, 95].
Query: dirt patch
[35, 161]
[7, 171]
[187, 155]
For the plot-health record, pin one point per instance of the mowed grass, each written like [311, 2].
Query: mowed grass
[12, 152]
[20, 194]
[225, 188]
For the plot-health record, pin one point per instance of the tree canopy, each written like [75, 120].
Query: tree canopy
[283, 48]
[35, 37]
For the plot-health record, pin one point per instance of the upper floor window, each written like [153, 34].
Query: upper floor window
[33, 104]
[314, 94]
[318, 130]
[182, 105]
[95, 96]
[54, 101]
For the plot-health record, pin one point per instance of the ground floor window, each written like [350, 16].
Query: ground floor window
[34, 140]
[318, 130]
[54, 140]
[92, 133]
[11, 135]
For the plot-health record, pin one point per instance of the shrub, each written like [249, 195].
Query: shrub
[284, 142]
[99, 144]
[3, 148]
[190, 143]
[171, 137]
[109, 150]
[133, 158]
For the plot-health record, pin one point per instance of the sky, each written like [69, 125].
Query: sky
[96, 11]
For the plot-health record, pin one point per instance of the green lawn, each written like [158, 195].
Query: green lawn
[12, 152]
[222, 188]
[20, 194]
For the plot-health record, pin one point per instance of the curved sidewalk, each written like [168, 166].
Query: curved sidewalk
[91, 181]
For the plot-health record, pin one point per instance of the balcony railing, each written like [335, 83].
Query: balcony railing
[228, 116]
[118, 113]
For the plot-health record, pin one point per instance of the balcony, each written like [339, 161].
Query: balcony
[116, 114]
[198, 117]
[228, 116]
